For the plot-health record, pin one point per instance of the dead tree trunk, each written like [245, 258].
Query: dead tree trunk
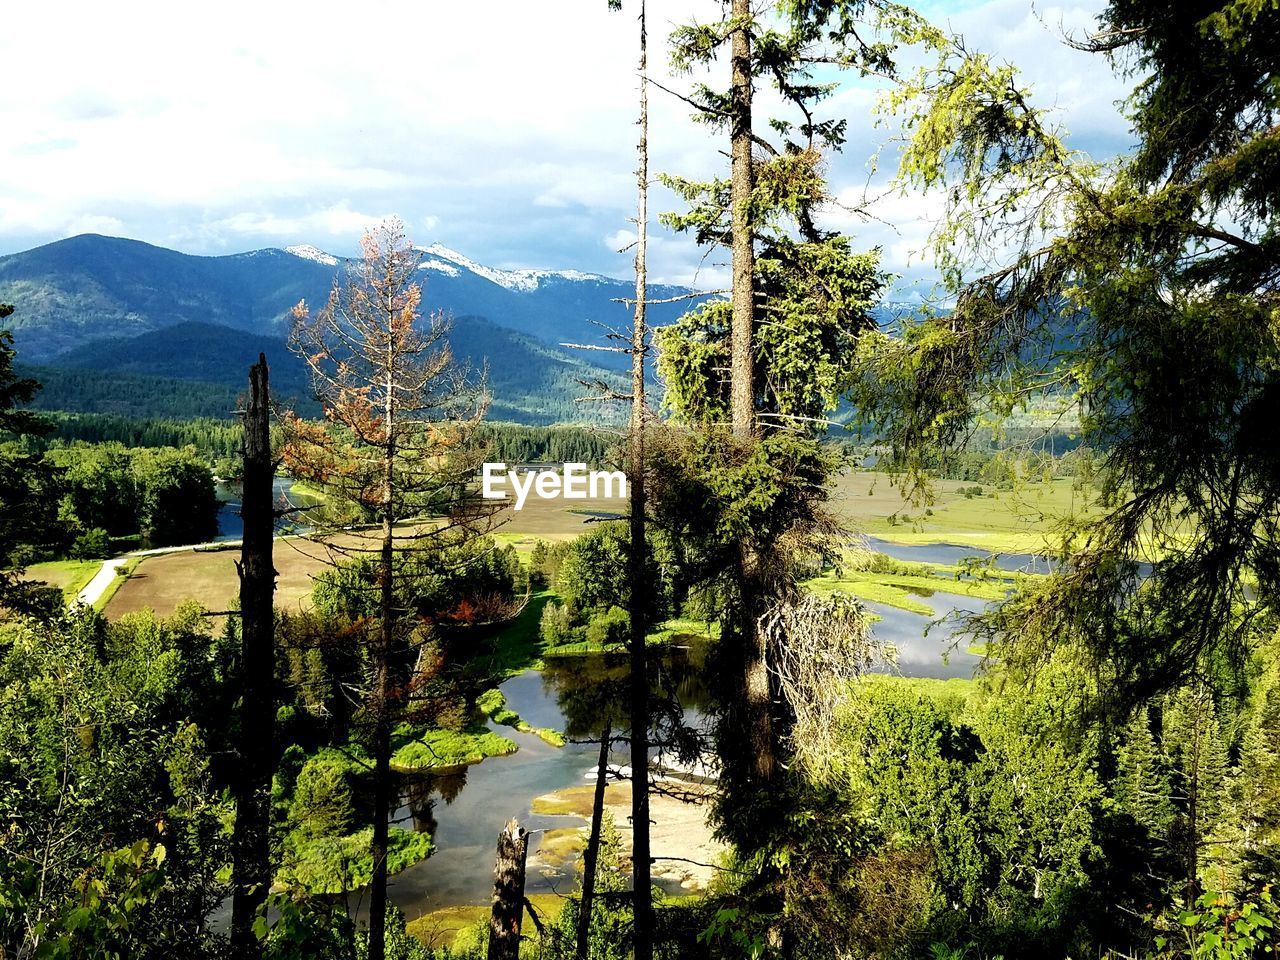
[641, 884]
[591, 859]
[251, 866]
[741, 185]
[508, 893]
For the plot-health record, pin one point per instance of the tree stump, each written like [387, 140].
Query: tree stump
[508, 892]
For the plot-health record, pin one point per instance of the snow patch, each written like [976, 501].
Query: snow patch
[448, 269]
[307, 252]
[522, 281]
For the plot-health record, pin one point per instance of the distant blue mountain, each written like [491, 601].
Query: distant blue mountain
[119, 306]
[91, 287]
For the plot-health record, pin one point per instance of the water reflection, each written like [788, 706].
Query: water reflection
[230, 523]
[465, 808]
[422, 791]
[926, 648]
[573, 694]
[951, 554]
[590, 688]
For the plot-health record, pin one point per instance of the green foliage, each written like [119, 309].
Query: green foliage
[1142, 788]
[338, 864]
[106, 735]
[590, 577]
[817, 298]
[216, 439]
[1145, 288]
[609, 933]
[24, 479]
[322, 802]
[1256, 790]
[609, 629]
[466, 580]
[1222, 927]
[593, 573]
[546, 560]
[556, 626]
[450, 748]
[132, 397]
[110, 901]
[305, 928]
[92, 544]
[979, 811]
[164, 494]
[317, 928]
[15, 391]
[513, 443]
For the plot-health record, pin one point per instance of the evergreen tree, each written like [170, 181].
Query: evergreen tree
[1199, 771]
[1257, 787]
[1141, 786]
[24, 479]
[1145, 286]
[750, 450]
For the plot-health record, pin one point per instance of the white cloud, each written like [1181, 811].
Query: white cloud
[94, 223]
[505, 129]
[338, 221]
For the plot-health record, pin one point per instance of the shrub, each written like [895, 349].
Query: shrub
[94, 544]
[609, 628]
[556, 626]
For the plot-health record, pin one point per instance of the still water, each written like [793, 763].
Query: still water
[924, 647]
[466, 808]
[953, 553]
[231, 526]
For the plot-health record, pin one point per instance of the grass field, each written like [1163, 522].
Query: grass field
[1022, 520]
[1016, 521]
[901, 590]
[555, 519]
[162, 582]
[69, 576]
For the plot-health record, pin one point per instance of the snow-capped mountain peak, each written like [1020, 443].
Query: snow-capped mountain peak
[524, 281]
[307, 252]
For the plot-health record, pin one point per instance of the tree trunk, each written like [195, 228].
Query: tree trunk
[382, 687]
[251, 850]
[508, 893]
[756, 690]
[756, 707]
[641, 884]
[741, 185]
[591, 859]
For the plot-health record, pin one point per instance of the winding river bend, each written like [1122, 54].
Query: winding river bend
[465, 809]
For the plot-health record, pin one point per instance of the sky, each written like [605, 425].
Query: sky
[504, 129]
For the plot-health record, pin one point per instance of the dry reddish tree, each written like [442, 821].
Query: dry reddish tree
[399, 449]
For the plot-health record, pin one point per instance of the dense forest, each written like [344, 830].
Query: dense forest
[952, 638]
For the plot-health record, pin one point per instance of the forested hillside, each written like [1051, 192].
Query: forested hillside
[197, 370]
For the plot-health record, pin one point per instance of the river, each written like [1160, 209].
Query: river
[465, 809]
[231, 526]
[954, 553]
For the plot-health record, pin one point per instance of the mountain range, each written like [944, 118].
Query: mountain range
[115, 325]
